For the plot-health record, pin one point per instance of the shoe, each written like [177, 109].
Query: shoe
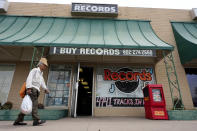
[37, 123]
[19, 123]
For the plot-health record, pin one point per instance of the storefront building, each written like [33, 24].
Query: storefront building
[100, 56]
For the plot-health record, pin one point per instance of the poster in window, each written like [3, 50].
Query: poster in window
[52, 86]
[67, 77]
[65, 100]
[60, 86]
[59, 93]
[156, 95]
[52, 94]
[50, 101]
[66, 93]
[61, 77]
[58, 101]
[53, 76]
[122, 86]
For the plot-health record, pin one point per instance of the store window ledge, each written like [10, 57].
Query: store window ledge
[45, 114]
[182, 114]
[56, 107]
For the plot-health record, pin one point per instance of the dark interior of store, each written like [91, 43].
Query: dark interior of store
[191, 71]
[191, 74]
[84, 101]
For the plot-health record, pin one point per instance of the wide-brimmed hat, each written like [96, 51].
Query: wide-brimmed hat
[44, 61]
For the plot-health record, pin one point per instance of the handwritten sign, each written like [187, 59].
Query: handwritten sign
[119, 102]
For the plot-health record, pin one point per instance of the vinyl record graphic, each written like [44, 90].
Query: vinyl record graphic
[126, 86]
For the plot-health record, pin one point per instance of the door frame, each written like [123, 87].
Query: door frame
[75, 88]
[75, 91]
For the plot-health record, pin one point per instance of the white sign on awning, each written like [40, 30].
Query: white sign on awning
[101, 51]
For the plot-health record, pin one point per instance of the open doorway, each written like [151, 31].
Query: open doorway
[84, 101]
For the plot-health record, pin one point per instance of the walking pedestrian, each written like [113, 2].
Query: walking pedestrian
[34, 81]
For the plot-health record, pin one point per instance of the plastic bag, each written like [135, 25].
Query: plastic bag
[26, 106]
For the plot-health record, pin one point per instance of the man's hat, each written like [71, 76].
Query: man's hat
[44, 61]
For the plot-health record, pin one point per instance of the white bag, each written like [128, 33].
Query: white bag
[26, 106]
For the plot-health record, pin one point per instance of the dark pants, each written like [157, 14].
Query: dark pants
[34, 97]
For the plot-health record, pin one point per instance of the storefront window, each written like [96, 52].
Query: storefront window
[6, 75]
[122, 86]
[58, 84]
[192, 80]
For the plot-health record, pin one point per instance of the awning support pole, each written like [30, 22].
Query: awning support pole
[173, 82]
[37, 54]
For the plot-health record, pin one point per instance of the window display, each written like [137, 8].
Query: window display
[58, 84]
[122, 86]
[6, 75]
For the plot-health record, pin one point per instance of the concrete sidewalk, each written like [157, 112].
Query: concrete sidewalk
[104, 124]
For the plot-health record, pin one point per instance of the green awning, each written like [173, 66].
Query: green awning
[186, 38]
[78, 32]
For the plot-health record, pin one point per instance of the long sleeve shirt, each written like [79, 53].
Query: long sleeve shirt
[35, 79]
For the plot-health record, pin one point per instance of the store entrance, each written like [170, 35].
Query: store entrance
[84, 100]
